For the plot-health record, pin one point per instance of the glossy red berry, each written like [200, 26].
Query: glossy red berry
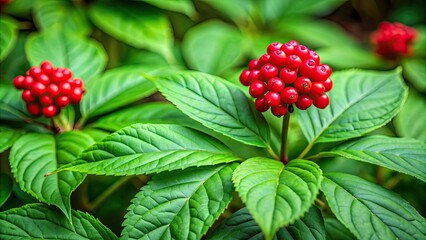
[317, 89]
[268, 71]
[34, 109]
[304, 102]
[273, 46]
[307, 68]
[314, 56]
[244, 77]
[261, 105]
[328, 84]
[321, 73]
[279, 110]
[302, 51]
[38, 89]
[254, 75]
[57, 77]
[65, 88]
[62, 101]
[289, 95]
[293, 62]
[256, 89]
[43, 78]
[67, 73]
[18, 82]
[275, 84]
[272, 99]
[28, 82]
[49, 111]
[28, 96]
[77, 83]
[53, 90]
[47, 67]
[321, 101]
[35, 72]
[288, 48]
[278, 58]
[294, 43]
[303, 85]
[264, 59]
[76, 95]
[46, 100]
[287, 75]
[253, 64]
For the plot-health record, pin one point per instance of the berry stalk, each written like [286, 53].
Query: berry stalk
[283, 156]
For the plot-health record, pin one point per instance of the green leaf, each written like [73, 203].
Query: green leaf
[241, 226]
[114, 89]
[6, 185]
[8, 36]
[336, 230]
[85, 57]
[237, 10]
[180, 205]
[152, 112]
[60, 13]
[415, 72]
[39, 221]
[216, 104]
[409, 123]
[350, 57]
[16, 62]
[360, 102]
[11, 105]
[277, 195]
[180, 6]
[312, 7]
[147, 148]
[403, 155]
[8, 137]
[212, 47]
[370, 211]
[34, 155]
[135, 24]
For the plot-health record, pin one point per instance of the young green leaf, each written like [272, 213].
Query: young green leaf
[6, 185]
[241, 226]
[370, 211]
[409, 123]
[415, 72]
[213, 47]
[11, 105]
[180, 205]
[8, 137]
[400, 154]
[216, 104]
[85, 57]
[39, 221]
[360, 102]
[151, 148]
[8, 36]
[34, 155]
[274, 194]
[181, 6]
[135, 24]
[48, 13]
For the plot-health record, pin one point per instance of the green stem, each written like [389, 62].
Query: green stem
[107, 193]
[283, 157]
[306, 151]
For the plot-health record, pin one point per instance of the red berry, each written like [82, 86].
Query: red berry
[18, 82]
[321, 101]
[307, 68]
[264, 59]
[293, 62]
[35, 72]
[289, 95]
[77, 83]
[317, 89]
[288, 75]
[57, 77]
[273, 46]
[302, 51]
[49, 111]
[43, 78]
[261, 105]
[275, 84]
[46, 100]
[76, 95]
[28, 82]
[34, 109]
[328, 84]
[288, 48]
[244, 77]
[47, 67]
[304, 102]
[254, 75]
[65, 88]
[278, 58]
[279, 110]
[303, 85]
[67, 73]
[268, 71]
[314, 56]
[38, 89]
[28, 96]
[256, 89]
[53, 90]
[272, 99]
[253, 64]
[321, 73]
[62, 101]
[294, 43]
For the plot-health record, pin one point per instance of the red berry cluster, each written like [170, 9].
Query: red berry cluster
[48, 89]
[392, 40]
[287, 74]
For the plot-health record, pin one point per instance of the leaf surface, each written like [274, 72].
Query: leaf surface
[8, 137]
[180, 205]
[216, 104]
[6, 185]
[8, 36]
[415, 72]
[409, 123]
[370, 211]
[274, 194]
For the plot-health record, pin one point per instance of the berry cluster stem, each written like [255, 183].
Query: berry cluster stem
[283, 157]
